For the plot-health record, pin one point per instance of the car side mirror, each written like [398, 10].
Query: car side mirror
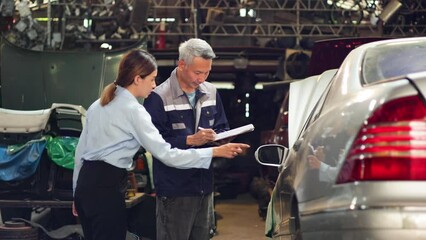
[271, 154]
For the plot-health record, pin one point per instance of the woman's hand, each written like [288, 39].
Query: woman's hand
[74, 211]
[229, 150]
[314, 162]
[319, 153]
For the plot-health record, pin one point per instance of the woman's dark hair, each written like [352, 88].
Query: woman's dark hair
[136, 62]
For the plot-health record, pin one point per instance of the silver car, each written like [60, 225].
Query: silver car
[356, 166]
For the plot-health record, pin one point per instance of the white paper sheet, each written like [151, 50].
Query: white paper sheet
[234, 132]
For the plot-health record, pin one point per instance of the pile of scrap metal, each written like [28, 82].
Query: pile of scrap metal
[78, 20]
[7, 7]
[109, 21]
[27, 32]
[6, 14]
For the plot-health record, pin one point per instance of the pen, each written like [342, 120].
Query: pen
[200, 128]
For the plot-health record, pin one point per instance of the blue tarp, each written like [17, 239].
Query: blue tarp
[22, 163]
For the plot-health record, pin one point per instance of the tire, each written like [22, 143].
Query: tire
[18, 231]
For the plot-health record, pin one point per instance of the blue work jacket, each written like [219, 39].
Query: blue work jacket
[175, 119]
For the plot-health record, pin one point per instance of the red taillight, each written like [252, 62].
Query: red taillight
[391, 145]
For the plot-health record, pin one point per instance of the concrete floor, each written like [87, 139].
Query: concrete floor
[239, 219]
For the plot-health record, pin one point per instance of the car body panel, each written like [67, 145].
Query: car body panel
[325, 126]
[419, 82]
[334, 116]
[303, 96]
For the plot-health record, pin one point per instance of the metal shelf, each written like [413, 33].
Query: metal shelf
[303, 13]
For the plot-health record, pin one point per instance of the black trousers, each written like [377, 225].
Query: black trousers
[100, 201]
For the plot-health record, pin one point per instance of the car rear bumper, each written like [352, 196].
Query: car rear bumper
[375, 223]
[367, 234]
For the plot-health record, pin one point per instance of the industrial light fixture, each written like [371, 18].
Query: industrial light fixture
[106, 46]
[246, 8]
[389, 10]
[247, 12]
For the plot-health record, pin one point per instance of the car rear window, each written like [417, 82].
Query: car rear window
[394, 59]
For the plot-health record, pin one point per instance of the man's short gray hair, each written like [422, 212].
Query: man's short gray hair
[195, 47]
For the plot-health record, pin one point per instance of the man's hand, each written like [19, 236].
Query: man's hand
[200, 138]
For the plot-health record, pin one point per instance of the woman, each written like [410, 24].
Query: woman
[116, 126]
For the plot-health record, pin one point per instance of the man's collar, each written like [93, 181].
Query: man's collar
[174, 85]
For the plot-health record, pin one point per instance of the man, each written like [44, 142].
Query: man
[188, 112]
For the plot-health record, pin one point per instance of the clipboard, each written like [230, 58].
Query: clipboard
[234, 132]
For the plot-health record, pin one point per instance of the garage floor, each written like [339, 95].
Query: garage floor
[238, 219]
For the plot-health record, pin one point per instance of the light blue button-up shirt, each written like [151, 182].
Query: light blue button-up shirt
[113, 133]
